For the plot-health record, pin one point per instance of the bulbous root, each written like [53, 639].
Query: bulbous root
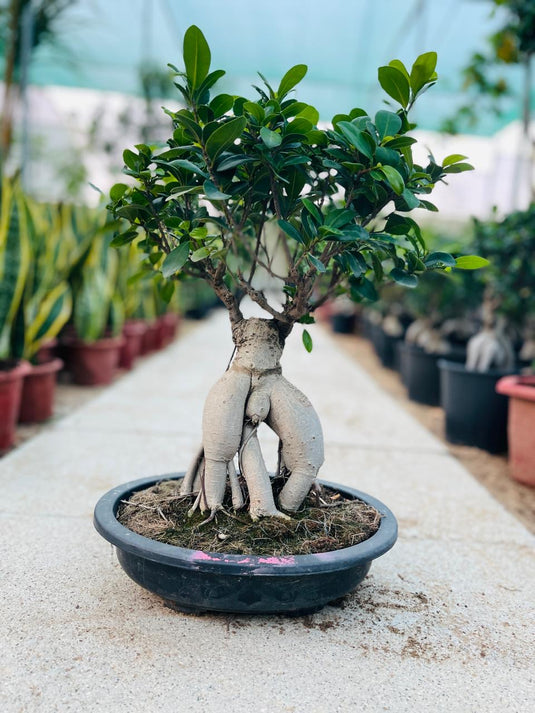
[244, 397]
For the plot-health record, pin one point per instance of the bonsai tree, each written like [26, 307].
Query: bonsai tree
[251, 189]
[509, 292]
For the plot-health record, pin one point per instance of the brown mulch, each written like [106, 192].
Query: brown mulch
[490, 470]
[328, 521]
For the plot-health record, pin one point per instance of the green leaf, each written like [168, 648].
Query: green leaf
[117, 191]
[356, 138]
[403, 278]
[255, 110]
[123, 238]
[395, 84]
[453, 158]
[292, 77]
[313, 210]
[221, 104]
[387, 123]
[471, 262]
[459, 168]
[167, 290]
[212, 192]
[437, 259]
[423, 71]
[196, 56]
[311, 114]
[289, 229]
[231, 161]
[270, 138]
[307, 341]
[320, 267]
[225, 136]
[394, 178]
[132, 160]
[199, 254]
[410, 199]
[175, 260]
[398, 64]
[365, 288]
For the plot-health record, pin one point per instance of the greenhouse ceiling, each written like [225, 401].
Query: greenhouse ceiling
[102, 45]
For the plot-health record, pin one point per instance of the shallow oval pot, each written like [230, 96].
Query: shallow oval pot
[200, 581]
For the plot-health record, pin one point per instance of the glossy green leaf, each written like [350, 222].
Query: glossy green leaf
[307, 341]
[459, 168]
[292, 77]
[395, 84]
[225, 136]
[320, 267]
[212, 192]
[453, 158]
[365, 288]
[437, 259]
[270, 138]
[117, 191]
[356, 138]
[221, 104]
[398, 64]
[471, 262]
[200, 254]
[387, 123]
[175, 260]
[403, 278]
[313, 210]
[394, 178]
[289, 229]
[196, 56]
[423, 70]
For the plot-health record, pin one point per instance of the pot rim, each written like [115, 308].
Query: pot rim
[517, 386]
[46, 367]
[110, 529]
[104, 343]
[459, 367]
[18, 371]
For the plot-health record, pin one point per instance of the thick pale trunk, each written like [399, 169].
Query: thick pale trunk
[251, 392]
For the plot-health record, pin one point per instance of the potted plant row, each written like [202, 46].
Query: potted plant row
[476, 414]
[336, 200]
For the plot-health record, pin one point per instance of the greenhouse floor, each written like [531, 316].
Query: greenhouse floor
[443, 622]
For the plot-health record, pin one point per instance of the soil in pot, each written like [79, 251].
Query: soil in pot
[93, 363]
[39, 385]
[327, 521]
[475, 414]
[11, 376]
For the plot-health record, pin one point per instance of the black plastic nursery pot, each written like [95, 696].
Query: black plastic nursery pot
[420, 374]
[385, 347]
[475, 414]
[200, 582]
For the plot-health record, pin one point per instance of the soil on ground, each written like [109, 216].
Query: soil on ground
[490, 470]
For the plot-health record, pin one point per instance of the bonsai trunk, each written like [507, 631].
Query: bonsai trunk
[250, 392]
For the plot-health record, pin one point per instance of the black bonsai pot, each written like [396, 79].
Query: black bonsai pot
[475, 414]
[201, 581]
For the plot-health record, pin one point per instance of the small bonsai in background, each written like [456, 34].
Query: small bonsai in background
[249, 195]
[508, 309]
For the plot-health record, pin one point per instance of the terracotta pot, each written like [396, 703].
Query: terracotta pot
[133, 332]
[10, 396]
[93, 363]
[47, 352]
[150, 338]
[39, 384]
[169, 324]
[520, 426]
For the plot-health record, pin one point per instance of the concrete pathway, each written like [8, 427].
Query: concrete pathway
[444, 621]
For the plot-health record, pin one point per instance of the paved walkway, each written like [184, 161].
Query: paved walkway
[442, 623]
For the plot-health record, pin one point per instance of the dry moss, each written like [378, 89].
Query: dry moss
[327, 521]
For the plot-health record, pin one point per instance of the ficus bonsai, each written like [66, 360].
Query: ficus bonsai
[249, 188]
